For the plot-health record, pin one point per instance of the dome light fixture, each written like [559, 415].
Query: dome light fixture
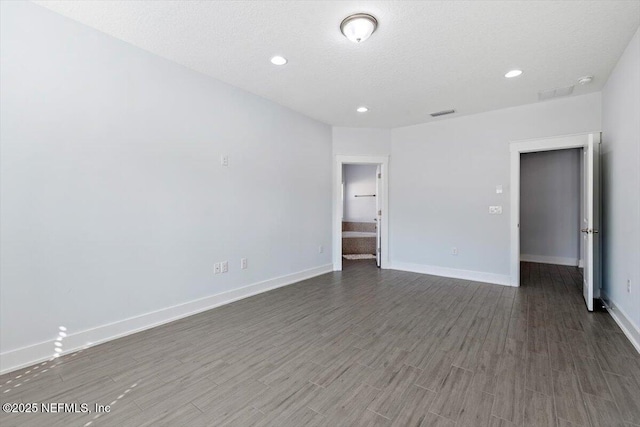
[362, 109]
[358, 27]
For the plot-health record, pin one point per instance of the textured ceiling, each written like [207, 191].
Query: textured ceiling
[425, 56]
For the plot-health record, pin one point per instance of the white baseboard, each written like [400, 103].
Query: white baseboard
[631, 330]
[543, 259]
[476, 276]
[26, 356]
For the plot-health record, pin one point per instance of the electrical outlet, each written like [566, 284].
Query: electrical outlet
[495, 210]
[224, 266]
[224, 160]
[628, 286]
[216, 268]
[243, 263]
[320, 249]
[454, 251]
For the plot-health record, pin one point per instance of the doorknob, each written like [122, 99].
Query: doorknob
[589, 230]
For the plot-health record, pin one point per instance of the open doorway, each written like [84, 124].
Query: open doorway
[360, 227]
[360, 213]
[543, 176]
[550, 207]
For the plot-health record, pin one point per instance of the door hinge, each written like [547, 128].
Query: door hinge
[380, 212]
[379, 175]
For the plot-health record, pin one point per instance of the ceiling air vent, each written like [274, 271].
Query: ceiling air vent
[442, 113]
[543, 95]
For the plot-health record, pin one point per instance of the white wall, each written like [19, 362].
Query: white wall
[443, 178]
[621, 183]
[550, 199]
[359, 180]
[361, 141]
[114, 202]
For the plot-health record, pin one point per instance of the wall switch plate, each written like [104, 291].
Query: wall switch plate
[495, 210]
[224, 160]
[454, 251]
[320, 249]
[498, 189]
[216, 268]
[224, 266]
[243, 263]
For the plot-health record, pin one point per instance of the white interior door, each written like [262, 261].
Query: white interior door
[591, 220]
[378, 215]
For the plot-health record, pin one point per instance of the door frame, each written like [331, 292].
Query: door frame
[341, 160]
[531, 146]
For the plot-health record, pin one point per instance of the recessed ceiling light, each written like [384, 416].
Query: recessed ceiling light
[358, 27]
[278, 60]
[362, 109]
[585, 80]
[513, 73]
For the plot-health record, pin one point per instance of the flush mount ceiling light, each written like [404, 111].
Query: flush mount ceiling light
[513, 73]
[358, 27]
[362, 109]
[585, 80]
[278, 60]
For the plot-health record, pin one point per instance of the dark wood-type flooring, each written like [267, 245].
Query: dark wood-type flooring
[364, 347]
